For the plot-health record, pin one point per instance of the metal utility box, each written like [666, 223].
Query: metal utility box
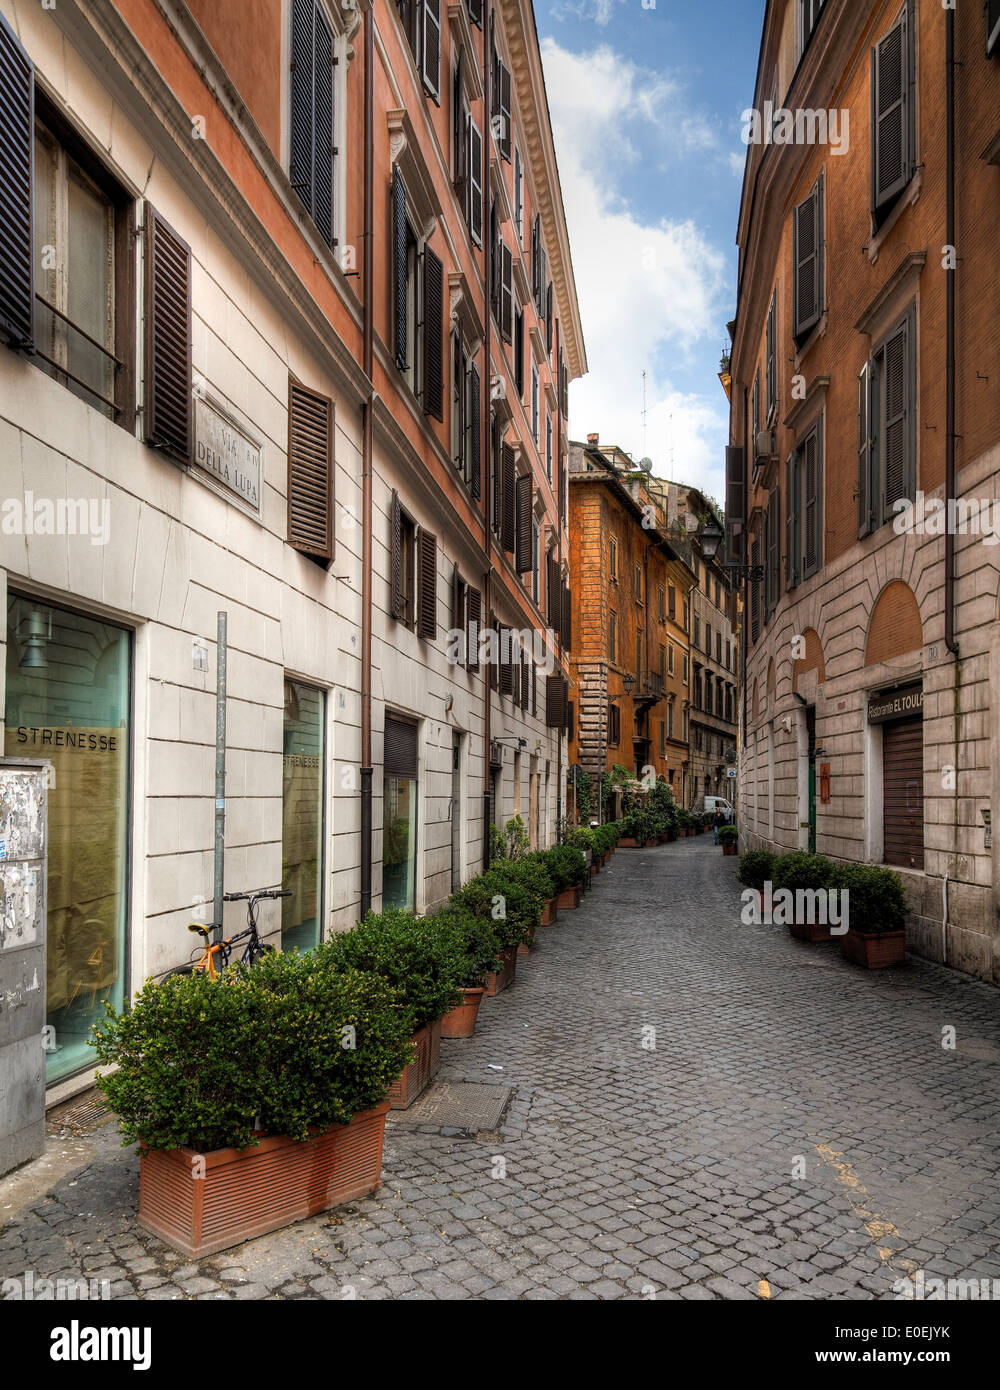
[23, 845]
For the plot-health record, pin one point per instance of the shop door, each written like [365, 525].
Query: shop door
[456, 813]
[811, 735]
[903, 793]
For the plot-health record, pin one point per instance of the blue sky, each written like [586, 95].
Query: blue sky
[645, 107]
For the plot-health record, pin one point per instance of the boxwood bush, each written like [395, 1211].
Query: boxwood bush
[728, 834]
[504, 903]
[205, 1063]
[801, 869]
[756, 868]
[533, 872]
[422, 962]
[565, 866]
[477, 941]
[877, 899]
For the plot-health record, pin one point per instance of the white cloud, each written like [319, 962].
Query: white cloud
[651, 291]
[600, 11]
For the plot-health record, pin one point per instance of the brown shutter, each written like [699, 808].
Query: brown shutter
[525, 679]
[399, 754]
[506, 662]
[555, 702]
[507, 484]
[522, 539]
[168, 422]
[427, 596]
[457, 604]
[494, 653]
[534, 689]
[475, 182]
[17, 278]
[735, 504]
[433, 335]
[505, 112]
[310, 472]
[548, 318]
[399, 267]
[567, 617]
[474, 618]
[903, 793]
[807, 231]
[552, 596]
[475, 427]
[397, 599]
[432, 47]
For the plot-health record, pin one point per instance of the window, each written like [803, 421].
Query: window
[887, 433]
[536, 543]
[663, 739]
[311, 86]
[755, 411]
[697, 688]
[684, 735]
[422, 23]
[403, 549]
[697, 630]
[302, 816]
[718, 647]
[686, 617]
[771, 364]
[523, 522]
[638, 655]
[399, 814]
[614, 726]
[671, 603]
[893, 125]
[501, 106]
[992, 27]
[638, 581]
[83, 315]
[808, 13]
[614, 560]
[465, 407]
[613, 639]
[534, 403]
[548, 446]
[518, 197]
[708, 639]
[519, 351]
[685, 668]
[310, 472]
[670, 719]
[807, 236]
[755, 592]
[670, 658]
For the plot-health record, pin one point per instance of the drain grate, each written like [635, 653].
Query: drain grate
[80, 1116]
[465, 1106]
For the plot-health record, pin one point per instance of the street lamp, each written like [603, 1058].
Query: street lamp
[628, 681]
[710, 537]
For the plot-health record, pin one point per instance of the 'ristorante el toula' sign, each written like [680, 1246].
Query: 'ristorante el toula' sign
[905, 703]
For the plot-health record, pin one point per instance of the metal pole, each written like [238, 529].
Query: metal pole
[220, 774]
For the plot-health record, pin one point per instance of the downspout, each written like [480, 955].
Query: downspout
[949, 444]
[559, 631]
[746, 600]
[484, 431]
[366, 470]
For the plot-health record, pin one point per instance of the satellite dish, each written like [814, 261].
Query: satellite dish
[646, 464]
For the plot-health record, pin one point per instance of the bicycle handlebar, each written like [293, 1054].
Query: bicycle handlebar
[257, 893]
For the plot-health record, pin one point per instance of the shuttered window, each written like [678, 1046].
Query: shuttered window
[474, 614]
[567, 618]
[812, 502]
[17, 287]
[771, 366]
[892, 113]
[735, 504]
[552, 600]
[508, 479]
[459, 125]
[506, 662]
[311, 85]
[506, 293]
[807, 236]
[523, 525]
[755, 593]
[773, 548]
[399, 267]
[168, 412]
[427, 586]
[402, 554]
[887, 436]
[430, 61]
[475, 433]
[310, 472]
[548, 318]
[614, 726]
[534, 403]
[501, 106]
[792, 521]
[519, 352]
[474, 183]
[866, 490]
[433, 333]
[556, 691]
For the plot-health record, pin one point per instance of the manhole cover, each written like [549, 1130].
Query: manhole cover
[468, 1106]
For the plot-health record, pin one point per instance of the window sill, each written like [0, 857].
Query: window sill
[907, 196]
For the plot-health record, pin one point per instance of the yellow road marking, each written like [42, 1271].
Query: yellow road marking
[877, 1228]
[763, 1289]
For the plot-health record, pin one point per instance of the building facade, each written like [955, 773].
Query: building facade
[630, 657]
[865, 433]
[291, 320]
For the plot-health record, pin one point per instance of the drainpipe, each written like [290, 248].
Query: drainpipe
[366, 471]
[746, 597]
[484, 429]
[949, 457]
[559, 631]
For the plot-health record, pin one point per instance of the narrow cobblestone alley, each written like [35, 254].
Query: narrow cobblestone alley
[793, 1129]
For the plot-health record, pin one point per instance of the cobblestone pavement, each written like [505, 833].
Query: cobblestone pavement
[798, 1123]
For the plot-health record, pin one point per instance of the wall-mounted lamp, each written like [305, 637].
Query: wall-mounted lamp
[34, 635]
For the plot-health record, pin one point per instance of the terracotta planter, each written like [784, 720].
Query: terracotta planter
[729, 849]
[874, 950]
[814, 932]
[504, 977]
[525, 948]
[665, 838]
[569, 898]
[460, 1022]
[627, 842]
[414, 1078]
[246, 1192]
[549, 912]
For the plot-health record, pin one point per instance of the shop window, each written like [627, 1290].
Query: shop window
[302, 816]
[399, 815]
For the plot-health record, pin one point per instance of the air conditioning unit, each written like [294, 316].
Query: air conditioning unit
[765, 446]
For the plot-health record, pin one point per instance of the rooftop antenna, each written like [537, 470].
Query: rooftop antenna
[644, 410]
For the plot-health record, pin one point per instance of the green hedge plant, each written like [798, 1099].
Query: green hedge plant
[477, 941]
[756, 868]
[505, 903]
[565, 866]
[801, 869]
[728, 834]
[283, 1047]
[876, 897]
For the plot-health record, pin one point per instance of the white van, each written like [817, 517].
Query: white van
[711, 802]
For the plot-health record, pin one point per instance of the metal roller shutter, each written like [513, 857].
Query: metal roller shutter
[903, 793]
[400, 756]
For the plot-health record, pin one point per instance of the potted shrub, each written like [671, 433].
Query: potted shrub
[566, 867]
[480, 947]
[727, 838]
[423, 963]
[876, 915]
[532, 874]
[756, 868]
[803, 872]
[257, 1100]
[511, 909]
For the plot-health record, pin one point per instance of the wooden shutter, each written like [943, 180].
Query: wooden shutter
[735, 505]
[506, 293]
[475, 433]
[399, 754]
[397, 599]
[807, 231]
[810, 505]
[323, 150]
[534, 689]
[519, 192]
[458, 123]
[506, 662]
[555, 702]
[311, 125]
[540, 301]
[17, 277]
[505, 112]
[427, 586]
[535, 249]
[866, 490]
[310, 472]
[567, 618]
[773, 552]
[992, 26]
[475, 182]
[903, 793]
[474, 613]
[791, 521]
[893, 397]
[494, 651]
[431, 64]
[433, 335]
[890, 114]
[457, 603]
[522, 526]
[548, 318]
[508, 480]
[168, 407]
[771, 372]
[755, 413]
[525, 680]
[399, 267]
[755, 593]
[553, 613]
[519, 352]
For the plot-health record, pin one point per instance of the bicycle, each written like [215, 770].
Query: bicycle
[216, 955]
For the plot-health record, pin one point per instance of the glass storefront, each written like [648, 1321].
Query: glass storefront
[68, 699]
[302, 816]
[399, 814]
